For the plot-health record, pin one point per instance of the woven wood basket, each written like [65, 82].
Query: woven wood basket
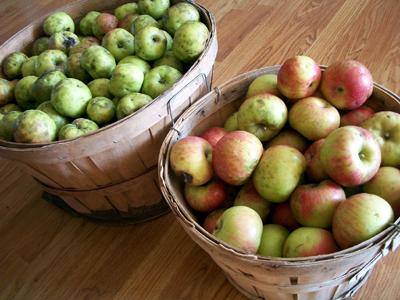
[110, 175]
[335, 276]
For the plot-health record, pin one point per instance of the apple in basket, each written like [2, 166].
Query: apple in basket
[289, 137]
[235, 156]
[154, 8]
[150, 43]
[86, 24]
[271, 177]
[78, 127]
[347, 84]
[214, 134]
[34, 126]
[314, 204]
[240, 227]
[315, 118]
[309, 241]
[350, 156]
[299, 77]
[57, 22]
[385, 128]
[119, 42]
[386, 184]
[359, 218]
[282, 214]
[272, 240]
[211, 219]
[191, 160]
[314, 170]
[248, 196]
[356, 116]
[206, 197]
[104, 23]
[264, 84]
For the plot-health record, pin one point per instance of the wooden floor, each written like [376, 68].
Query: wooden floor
[45, 253]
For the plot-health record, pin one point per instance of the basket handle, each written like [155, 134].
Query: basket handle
[183, 88]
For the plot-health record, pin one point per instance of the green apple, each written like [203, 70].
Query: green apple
[50, 60]
[63, 41]
[100, 87]
[137, 61]
[34, 126]
[23, 93]
[119, 42]
[78, 127]
[86, 24]
[264, 84]
[263, 115]
[70, 97]
[154, 8]
[6, 91]
[271, 177]
[59, 119]
[12, 64]
[43, 86]
[79, 48]
[241, 227]
[39, 45]
[190, 41]
[74, 69]
[28, 67]
[7, 126]
[57, 22]
[101, 110]
[142, 21]
[169, 59]
[10, 107]
[131, 103]
[170, 40]
[159, 79]
[126, 79]
[178, 14]
[230, 123]
[98, 61]
[248, 196]
[123, 10]
[150, 43]
[386, 184]
[272, 240]
[385, 128]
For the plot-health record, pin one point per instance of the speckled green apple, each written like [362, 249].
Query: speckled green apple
[7, 126]
[70, 97]
[125, 9]
[169, 59]
[50, 60]
[137, 61]
[34, 126]
[130, 103]
[12, 64]
[160, 79]
[6, 91]
[23, 93]
[74, 69]
[86, 24]
[119, 42]
[101, 110]
[78, 127]
[43, 86]
[63, 41]
[28, 67]
[39, 45]
[154, 8]
[143, 21]
[57, 22]
[190, 40]
[59, 119]
[150, 43]
[178, 14]
[98, 61]
[100, 88]
[126, 79]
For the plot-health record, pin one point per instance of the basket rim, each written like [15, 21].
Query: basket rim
[188, 75]
[384, 238]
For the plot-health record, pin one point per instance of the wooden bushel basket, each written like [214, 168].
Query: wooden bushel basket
[110, 175]
[334, 276]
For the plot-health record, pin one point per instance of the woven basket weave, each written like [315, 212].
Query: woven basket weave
[110, 175]
[334, 276]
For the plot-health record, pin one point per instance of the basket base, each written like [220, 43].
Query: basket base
[137, 215]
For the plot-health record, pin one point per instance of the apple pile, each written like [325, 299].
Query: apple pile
[304, 167]
[74, 83]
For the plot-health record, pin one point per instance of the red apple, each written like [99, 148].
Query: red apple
[314, 118]
[248, 196]
[359, 218]
[309, 241]
[347, 84]
[350, 155]
[282, 214]
[235, 156]
[214, 134]
[207, 197]
[211, 219]
[104, 23]
[386, 184]
[191, 160]
[299, 77]
[314, 204]
[289, 137]
[356, 116]
[314, 169]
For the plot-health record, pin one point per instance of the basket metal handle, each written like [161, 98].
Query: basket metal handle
[183, 88]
